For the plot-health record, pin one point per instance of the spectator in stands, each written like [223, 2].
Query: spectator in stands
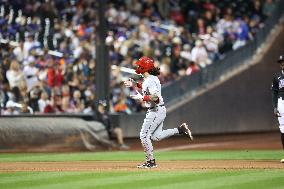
[89, 101]
[66, 105]
[211, 41]
[19, 52]
[201, 28]
[77, 103]
[14, 108]
[16, 95]
[11, 109]
[241, 33]
[257, 9]
[34, 96]
[14, 74]
[43, 101]
[165, 73]
[121, 106]
[268, 7]
[25, 109]
[102, 115]
[156, 28]
[55, 105]
[186, 52]
[192, 68]
[200, 55]
[30, 72]
[54, 74]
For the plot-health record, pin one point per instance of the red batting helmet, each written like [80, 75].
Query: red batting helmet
[145, 64]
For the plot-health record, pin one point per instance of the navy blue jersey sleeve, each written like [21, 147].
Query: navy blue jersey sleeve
[275, 89]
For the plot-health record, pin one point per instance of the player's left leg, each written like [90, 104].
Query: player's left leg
[282, 140]
[281, 127]
[152, 120]
[145, 134]
[281, 121]
[160, 134]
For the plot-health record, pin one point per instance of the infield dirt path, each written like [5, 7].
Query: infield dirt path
[131, 166]
[259, 141]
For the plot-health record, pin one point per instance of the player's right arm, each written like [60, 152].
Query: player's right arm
[131, 83]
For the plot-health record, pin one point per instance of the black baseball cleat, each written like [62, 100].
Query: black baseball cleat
[183, 129]
[148, 164]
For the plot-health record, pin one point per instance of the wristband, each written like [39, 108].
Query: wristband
[146, 98]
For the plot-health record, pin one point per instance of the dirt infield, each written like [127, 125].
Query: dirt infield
[131, 166]
[257, 141]
[244, 141]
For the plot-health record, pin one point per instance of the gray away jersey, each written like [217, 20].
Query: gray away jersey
[150, 86]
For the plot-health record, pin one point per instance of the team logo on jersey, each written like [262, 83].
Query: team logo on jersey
[281, 83]
[146, 93]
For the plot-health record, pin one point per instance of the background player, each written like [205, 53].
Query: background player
[102, 115]
[278, 98]
[152, 128]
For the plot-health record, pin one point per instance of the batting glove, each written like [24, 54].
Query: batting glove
[138, 96]
[129, 83]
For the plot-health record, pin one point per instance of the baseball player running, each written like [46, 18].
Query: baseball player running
[278, 98]
[152, 128]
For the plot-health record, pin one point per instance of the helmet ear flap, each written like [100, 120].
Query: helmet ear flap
[139, 70]
[145, 64]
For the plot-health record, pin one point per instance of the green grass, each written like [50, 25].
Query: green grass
[152, 179]
[137, 156]
[264, 179]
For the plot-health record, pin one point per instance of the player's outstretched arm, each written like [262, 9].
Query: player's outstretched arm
[131, 83]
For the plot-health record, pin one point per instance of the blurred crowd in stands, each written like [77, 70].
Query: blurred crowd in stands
[47, 55]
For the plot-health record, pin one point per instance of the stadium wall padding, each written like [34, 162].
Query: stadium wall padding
[51, 134]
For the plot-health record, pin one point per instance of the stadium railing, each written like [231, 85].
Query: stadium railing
[190, 84]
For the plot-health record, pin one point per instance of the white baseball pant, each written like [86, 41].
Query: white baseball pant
[281, 111]
[152, 128]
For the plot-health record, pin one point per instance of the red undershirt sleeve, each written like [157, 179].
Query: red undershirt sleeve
[139, 85]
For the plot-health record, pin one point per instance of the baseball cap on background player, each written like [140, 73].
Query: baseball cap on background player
[281, 59]
[144, 64]
[103, 103]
